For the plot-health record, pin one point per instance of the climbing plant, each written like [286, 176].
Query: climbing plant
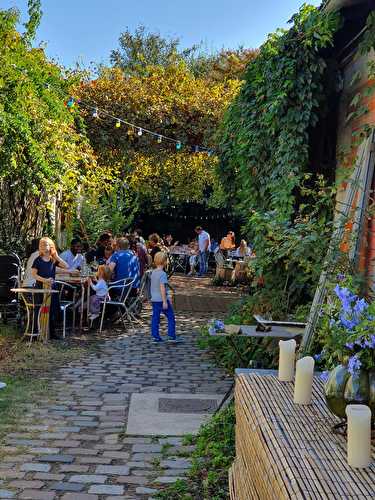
[265, 152]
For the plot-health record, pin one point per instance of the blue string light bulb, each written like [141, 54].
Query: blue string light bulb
[159, 139]
[95, 113]
[178, 145]
[118, 123]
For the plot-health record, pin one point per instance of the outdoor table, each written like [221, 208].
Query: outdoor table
[284, 450]
[85, 294]
[180, 260]
[42, 319]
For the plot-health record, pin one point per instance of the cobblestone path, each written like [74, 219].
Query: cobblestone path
[75, 447]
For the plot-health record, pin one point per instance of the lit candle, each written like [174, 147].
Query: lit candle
[304, 380]
[359, 435]
[287, 356]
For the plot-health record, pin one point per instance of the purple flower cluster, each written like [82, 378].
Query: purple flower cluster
[216, 326]
[354, 364]
[353, 308]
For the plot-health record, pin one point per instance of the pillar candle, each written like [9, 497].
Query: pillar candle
[359, 435]
[304, 380]
[287, 356]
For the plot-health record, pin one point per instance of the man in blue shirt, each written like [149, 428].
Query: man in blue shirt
[124, 264]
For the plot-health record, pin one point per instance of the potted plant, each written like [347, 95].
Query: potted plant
[347, 334]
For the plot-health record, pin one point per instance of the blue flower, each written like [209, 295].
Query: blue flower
[354, 364]
[360, 306]
[332, 323]
[340, 277]
[219, 325]
[346, 297]
[349, 345]
[318, 357]
[324, 376]
[211, 330]
[369, 343]
[348, 323]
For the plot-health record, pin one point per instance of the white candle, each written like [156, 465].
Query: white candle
[304, 380]
[287, 356]
[359, 435]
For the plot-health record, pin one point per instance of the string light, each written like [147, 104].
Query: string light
[95, 114]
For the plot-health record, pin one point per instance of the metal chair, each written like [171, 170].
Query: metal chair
[10, 277]
[66, 290]
[136, 303]
[124, 288]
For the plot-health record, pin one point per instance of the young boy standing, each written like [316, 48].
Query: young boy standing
[160, 299]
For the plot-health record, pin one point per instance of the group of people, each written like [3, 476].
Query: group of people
[114, 260]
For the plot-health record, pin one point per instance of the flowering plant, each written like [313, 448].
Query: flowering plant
[347, 332]
[215, 326]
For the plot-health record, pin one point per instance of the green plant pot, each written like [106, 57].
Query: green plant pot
[342, 389]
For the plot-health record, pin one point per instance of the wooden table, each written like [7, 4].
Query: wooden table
[286, 451]
[42, 319]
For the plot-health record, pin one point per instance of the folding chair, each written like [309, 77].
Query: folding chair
[136, 303]
[124, 288]
[65, 291]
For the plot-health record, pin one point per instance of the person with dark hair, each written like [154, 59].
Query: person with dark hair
[73, 257]
[138, 234]
[97, 253]
[154, 245]
[204, 250]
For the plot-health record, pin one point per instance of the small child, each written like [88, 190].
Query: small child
[103, 275]
[160, 299]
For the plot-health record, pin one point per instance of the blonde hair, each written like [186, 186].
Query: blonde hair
[47, 241]
[160, 258]
[104, 272]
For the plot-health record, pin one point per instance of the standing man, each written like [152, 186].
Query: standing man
[204, 250]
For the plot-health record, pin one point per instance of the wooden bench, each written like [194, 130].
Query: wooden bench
[287, 451]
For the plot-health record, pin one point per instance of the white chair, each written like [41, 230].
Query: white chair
[65, 303]
[123, 287]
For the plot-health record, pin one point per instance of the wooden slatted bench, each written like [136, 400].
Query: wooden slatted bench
[286, 451]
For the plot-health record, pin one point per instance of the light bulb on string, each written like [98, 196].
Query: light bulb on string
[178, 145]
[95, 113]
[140, 132]
[159, 139]
[118, 123]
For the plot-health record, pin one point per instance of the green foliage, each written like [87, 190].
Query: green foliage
[35, 16]
[214, 454]
[42, 154]
[264, 159]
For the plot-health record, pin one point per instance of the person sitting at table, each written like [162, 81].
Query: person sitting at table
[227, 243]
[97, 253]
[108, 252]
[141, 252]
[168, 241]
[33, 253]
[193, 259]
[73, 257]
[100, 288]
[243, 250]
[44, 272]
[124, 264]
[154, 245]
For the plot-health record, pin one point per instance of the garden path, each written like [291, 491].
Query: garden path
[74, 447]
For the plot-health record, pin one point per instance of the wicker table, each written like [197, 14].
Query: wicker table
[288, 451]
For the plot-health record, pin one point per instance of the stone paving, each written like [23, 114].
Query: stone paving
[75, 447]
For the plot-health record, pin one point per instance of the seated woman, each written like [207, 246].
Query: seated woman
[243, 250]
[193, 259]
[44, 272]
[227, 243]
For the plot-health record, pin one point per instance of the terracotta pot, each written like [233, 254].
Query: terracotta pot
[342, 389]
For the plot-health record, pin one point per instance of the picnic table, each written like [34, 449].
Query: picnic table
[286, 451]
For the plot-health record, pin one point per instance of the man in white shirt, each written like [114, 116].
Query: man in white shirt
[204, 244]
[73, 257]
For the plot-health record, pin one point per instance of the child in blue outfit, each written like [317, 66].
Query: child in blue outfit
[160, 299]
